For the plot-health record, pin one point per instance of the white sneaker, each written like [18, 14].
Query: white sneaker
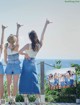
[11, 101]
[2, 101]
[37, 101]
[26, 101]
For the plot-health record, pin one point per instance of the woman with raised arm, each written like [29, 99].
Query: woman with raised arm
[13, 69]
[28, 79]
[1, 66]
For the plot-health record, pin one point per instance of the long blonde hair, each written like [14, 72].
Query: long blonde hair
[12, 39]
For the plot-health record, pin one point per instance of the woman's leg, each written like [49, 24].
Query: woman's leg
[38, 96]
[9, 80]
[38, 99]
[15, 83]
[1, 86]
[26, 99]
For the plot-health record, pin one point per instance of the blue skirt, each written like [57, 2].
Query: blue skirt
[56, 82]
[1, 68]
[67, 83]
[71, 82]
[63, 83]
[28, 79]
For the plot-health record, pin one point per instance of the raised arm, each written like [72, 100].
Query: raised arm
[5, 54]
[43, 31]
[2, 37]
[17, 33]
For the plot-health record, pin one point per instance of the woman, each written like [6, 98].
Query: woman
[56, 81]
[67, 80]
[1, 66]
[28, 79]
[11, 57]
[72, 80]
[51, 81]
[62, 81]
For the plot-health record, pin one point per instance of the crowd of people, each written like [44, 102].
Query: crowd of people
[58, 81]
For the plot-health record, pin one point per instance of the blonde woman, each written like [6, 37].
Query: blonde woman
[56, 81]
[1, 66]
[11, 57]
[28, 79]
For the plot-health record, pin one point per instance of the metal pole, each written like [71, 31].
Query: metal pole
[42, 82]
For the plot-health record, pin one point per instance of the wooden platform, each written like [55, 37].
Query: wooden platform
[45, 104]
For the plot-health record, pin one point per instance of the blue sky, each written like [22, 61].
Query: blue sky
[62, 38]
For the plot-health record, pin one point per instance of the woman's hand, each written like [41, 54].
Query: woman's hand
[3, 27]
[47, 21]
[27, 56]
[18, 25]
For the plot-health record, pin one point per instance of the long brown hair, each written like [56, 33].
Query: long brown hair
[35, 41]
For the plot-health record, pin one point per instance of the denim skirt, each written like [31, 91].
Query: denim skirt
[29, 80]
[1, 68]
[62, 83]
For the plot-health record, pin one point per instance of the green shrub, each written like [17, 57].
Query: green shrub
[19, 98]
[31, 98]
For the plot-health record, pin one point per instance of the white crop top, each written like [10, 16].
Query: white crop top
[31, 53]
[9, 52]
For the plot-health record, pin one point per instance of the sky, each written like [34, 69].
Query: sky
[62, 37]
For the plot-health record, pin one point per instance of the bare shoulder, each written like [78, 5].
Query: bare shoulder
[26, 46]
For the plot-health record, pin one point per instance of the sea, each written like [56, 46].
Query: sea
[49, 63]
